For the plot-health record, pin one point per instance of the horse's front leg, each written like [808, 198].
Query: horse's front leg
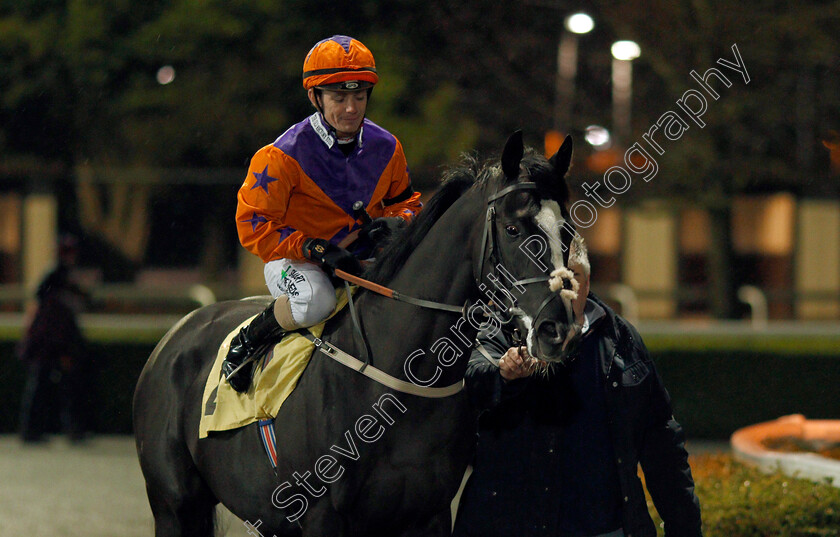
[439, 525]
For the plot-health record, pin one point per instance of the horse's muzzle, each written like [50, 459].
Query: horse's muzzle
[556, 340]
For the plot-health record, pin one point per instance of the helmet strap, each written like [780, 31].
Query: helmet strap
[318, 96]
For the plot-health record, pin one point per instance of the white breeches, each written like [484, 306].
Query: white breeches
[311, 295]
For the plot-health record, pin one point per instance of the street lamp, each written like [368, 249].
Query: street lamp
[575, 24]
[598, 137]
[579, 23]
[623, 52]
[165, 75]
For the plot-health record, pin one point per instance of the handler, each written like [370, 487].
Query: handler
[557, 454]
[296, 205]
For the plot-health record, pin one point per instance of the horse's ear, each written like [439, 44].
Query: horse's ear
[562, 158]
[512, 155]
[560, 162]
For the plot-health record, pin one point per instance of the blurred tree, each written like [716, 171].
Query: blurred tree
[117, 92]
[500, 55]
[759, 137]
[79, 88]
[425, 117]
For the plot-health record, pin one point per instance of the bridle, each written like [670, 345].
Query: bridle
[489, 252]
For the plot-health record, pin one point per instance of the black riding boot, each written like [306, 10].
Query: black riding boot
[252, 340]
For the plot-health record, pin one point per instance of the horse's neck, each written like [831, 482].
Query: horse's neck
[441, 270]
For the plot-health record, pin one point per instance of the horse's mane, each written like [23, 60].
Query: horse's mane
[457, 179]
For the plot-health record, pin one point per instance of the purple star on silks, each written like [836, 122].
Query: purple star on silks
[284, 233]
[255, 221]
[263, 179]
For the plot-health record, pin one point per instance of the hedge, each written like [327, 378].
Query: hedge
[717, 384]
[740, 501]
[115, 368]
[715, 393]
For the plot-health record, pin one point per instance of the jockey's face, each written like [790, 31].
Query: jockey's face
[343, 110]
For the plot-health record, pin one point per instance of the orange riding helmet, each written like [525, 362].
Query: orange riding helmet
[339, 63]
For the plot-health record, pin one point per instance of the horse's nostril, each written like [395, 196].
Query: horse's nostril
[548, 329]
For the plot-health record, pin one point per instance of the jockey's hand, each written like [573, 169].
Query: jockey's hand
[381, 228]
[516, 363]
[330, 256]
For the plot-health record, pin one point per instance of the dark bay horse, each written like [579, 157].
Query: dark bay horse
[356, 457]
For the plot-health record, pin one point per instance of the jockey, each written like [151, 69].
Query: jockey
[296, 205]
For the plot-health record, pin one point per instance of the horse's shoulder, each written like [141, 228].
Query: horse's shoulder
[224, 315]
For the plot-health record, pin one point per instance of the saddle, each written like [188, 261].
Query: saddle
[275, 377]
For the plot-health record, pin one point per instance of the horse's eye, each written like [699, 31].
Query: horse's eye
[512, 231]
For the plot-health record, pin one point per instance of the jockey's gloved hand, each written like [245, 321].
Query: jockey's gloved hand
[380, 228]
[331, 256]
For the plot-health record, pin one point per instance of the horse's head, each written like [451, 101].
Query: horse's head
[523, 264]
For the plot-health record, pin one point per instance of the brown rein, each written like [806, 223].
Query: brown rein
[396, 295]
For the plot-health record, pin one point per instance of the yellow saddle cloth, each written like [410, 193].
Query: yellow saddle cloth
[275, 377]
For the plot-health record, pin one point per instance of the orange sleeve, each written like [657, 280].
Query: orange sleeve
[262, 206]
[400, 187]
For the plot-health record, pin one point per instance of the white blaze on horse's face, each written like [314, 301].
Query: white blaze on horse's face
[550, 218]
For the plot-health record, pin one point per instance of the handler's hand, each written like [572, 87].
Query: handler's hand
[516, 363]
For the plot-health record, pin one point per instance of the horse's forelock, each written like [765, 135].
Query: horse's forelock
[549, 186]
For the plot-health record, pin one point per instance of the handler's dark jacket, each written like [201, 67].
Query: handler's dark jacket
[517, 471]
[54, 332]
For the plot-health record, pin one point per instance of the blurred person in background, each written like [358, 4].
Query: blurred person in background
[55, 353]
[557, 452]
[295, 208]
